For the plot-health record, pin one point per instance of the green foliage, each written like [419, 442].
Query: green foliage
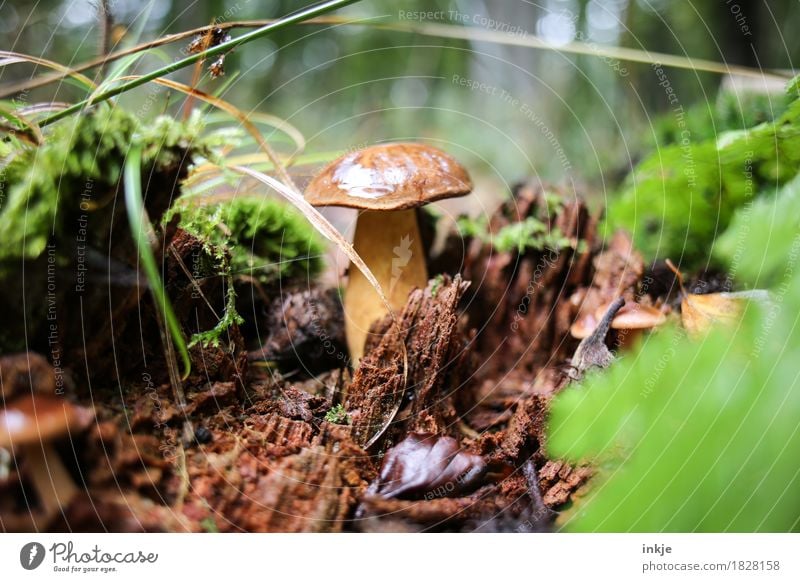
[470, 227]
[681, 196]
[700, 435]
[771, 224]
[209, 525]
[522, 236]
[140, 226]
[337, 415]
[265, 239]
[44, 181]
[529, 234]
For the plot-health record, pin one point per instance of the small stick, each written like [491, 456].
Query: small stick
[592, 351]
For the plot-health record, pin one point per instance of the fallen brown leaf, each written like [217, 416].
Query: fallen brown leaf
[700, 312]
[429, 466]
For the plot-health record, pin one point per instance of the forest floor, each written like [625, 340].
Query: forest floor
[441, 427]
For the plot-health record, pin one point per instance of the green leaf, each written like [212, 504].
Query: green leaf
[689, 436]
[701, 435]
[762, 236]
[140, 227]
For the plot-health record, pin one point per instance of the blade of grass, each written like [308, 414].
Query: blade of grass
[322, 225]
[261, 161]
[40, 108]
[472, 33]
[140, 228]
[11, 58]
[281, 125]
[476, 34]
[119, 70]
[209, 175]
[226, 84]
[219, 49]
[237, 113]
[44, 80]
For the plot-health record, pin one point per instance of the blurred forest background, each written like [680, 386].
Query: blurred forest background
[345, 86]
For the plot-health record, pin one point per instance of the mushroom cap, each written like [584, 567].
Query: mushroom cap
[394, 176]
[31, 419]
[584, 327]
[26, 372]
[635, 316]
[630, 316]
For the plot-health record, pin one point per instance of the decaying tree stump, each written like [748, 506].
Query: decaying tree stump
[405, 382]
[520, 301]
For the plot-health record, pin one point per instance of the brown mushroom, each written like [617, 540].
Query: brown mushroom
[632, 320]
[583, 327]
[387, 183]
[29, 425]
[26, 372]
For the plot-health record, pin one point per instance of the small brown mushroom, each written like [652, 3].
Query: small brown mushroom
[632, 320]
[387, 183]
[29, 425]
[583, 327]
[26, 372]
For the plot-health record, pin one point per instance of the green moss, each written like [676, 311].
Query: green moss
[80, 163]
[528, 234]
[731, 112]
[214, 336]
[472, 227]
[266, 239]
[437, 284]
[679, 198]
[337, 415]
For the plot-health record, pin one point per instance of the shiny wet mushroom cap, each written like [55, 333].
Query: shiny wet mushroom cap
[387, 183]
[395, 176]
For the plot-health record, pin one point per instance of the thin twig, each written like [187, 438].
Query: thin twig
[104, 42]
[164, 40]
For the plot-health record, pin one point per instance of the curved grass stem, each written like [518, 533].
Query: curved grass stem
[140, 227]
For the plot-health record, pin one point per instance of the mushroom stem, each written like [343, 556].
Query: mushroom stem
[391, 245]
[50, 478]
